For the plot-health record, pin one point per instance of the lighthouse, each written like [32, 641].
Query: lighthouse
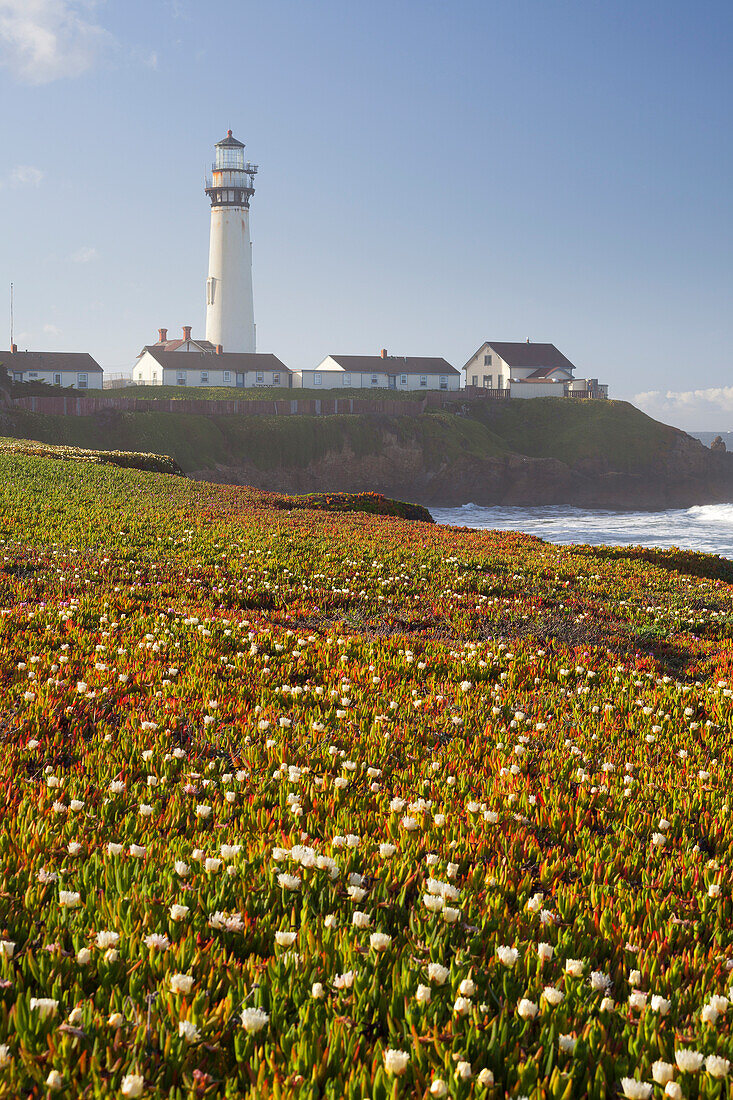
[230, 320]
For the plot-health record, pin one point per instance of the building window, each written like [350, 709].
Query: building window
[32, 374]
[276, 378]
[210, 289]
[375, 380]
[227, 376]
[82, 380]
[57, 379]
[17, 375]
[423, 379]
[155, 376]
[487, 360]
[403, 379]
[205, 376]
[443, 382]
[474, 380]
[260, 378]
[346, 378]
[499, 382]
[316, 379]
[181, 378]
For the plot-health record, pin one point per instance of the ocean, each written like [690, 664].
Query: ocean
[707, 527]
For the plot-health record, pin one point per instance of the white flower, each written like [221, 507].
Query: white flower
[203, 811]
[132, 1085]
[181, 983]
[607, 1004]
[115, 849]
[182, 869]
[423, 994]
[157, 941]
[45, 1006]
[253, 1020]
[545, 951]
[552, 995]
[386, 851]
[5, 1056]
[189, 1031]
[379, 941]
[660, 1005]
[145, 810]
[360, 920]
[717, 1066]
[107, 939]
[55, 1081]
[438, 1087]
[7, 949]
[212, 865]
[636, 1090]
[527, 1009]
[450, 915]
[83, 956]
[662, 1072]
[599, 981]
[507, 955]
[673, 1090]
[288, 882]
[637, 999]
[137, 850]
[689, 1061]
[574, 967]
[464, 1071]
[179, 912]
[485, 1078]
[566, 1044]
[68, 899]
[462, 1006]
[467, 988]
[437, 973]
[396, 1061]
[285, 939]
[345, 980]
[318, 991]
[409, 824]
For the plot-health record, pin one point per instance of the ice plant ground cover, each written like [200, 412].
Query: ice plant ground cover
[304, 804]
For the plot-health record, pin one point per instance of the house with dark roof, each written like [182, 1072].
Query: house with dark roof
[74, 369]
[190, 362]
[383, 371]
[527, 369]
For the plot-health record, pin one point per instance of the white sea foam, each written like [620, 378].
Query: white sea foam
[707, 527]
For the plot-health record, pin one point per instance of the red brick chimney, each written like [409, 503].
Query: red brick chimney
[13, 348]
[219, 349]
[162, 335]
[383, 353]
[187, 332]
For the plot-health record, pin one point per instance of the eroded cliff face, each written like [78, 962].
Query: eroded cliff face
[687, 474]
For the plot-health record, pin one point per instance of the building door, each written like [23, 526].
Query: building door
[393, 381]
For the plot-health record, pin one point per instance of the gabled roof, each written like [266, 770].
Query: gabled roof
[228, 360]
[543, 373]
[174, 345]
[50, 360]
[531, 355]
[394, 364]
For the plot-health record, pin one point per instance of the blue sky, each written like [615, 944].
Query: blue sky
[431, 175]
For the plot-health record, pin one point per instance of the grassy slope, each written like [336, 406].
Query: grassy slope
[613, 433]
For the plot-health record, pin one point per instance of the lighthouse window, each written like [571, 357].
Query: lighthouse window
[210, 285]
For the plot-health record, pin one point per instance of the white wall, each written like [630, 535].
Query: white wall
[230, 317]
[148, 372]
[333, 376]
[69, 378]
[497, 370]
[537, 389]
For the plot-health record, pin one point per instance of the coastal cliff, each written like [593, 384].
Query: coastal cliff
[602, 454]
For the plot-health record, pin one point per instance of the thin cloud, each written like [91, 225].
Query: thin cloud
[26, 174]
[697, 408]
[51, 330]
[46, 40]
[83, 255]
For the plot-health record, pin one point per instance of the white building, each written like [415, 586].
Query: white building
[75, 370]
[527, 370]
[383, 371]
[230, 319]
[190, 362]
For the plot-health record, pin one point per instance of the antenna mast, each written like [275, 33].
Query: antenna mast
[11, 315]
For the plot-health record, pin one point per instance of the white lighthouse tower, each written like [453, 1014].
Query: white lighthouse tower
[230, 319]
